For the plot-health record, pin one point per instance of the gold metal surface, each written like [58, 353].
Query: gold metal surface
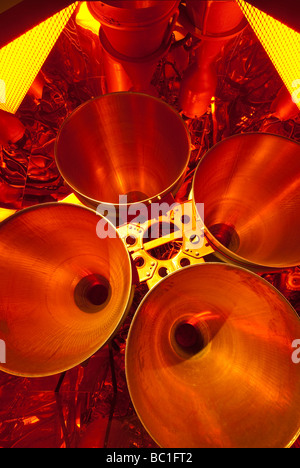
[236, 385]
[123, 144]
[193, 246]
[64, 291]
[250, 185]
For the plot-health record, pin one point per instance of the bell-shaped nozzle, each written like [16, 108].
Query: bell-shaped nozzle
[64, 291]
[123, 144]
[250, 185]
[209, 352]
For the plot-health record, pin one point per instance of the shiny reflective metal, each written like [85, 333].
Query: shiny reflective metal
[209, 361]
[136, 28]
[250, 185]
[130, 74]
[215, 23]
[64, 292]
[11, 128]
[123, 144]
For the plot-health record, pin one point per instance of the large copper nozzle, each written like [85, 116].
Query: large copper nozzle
[64, 291]
[136, 28]
[209, 361]
[123, 144]
[250, 186]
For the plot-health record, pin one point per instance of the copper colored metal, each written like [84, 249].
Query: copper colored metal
[123, 144]
[209, 361]
[283, 107]
[217, 20]
[64, 291]
[130, 74]
[250, 184]
[200, 80]
[136, 28]
[215, 23]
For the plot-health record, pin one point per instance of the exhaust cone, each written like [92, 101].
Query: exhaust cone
[250, 186]
[64, 291]
[209, 361]
[123, 144]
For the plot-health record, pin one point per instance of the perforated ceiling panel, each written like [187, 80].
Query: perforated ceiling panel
[22, 59]
[281, 43]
